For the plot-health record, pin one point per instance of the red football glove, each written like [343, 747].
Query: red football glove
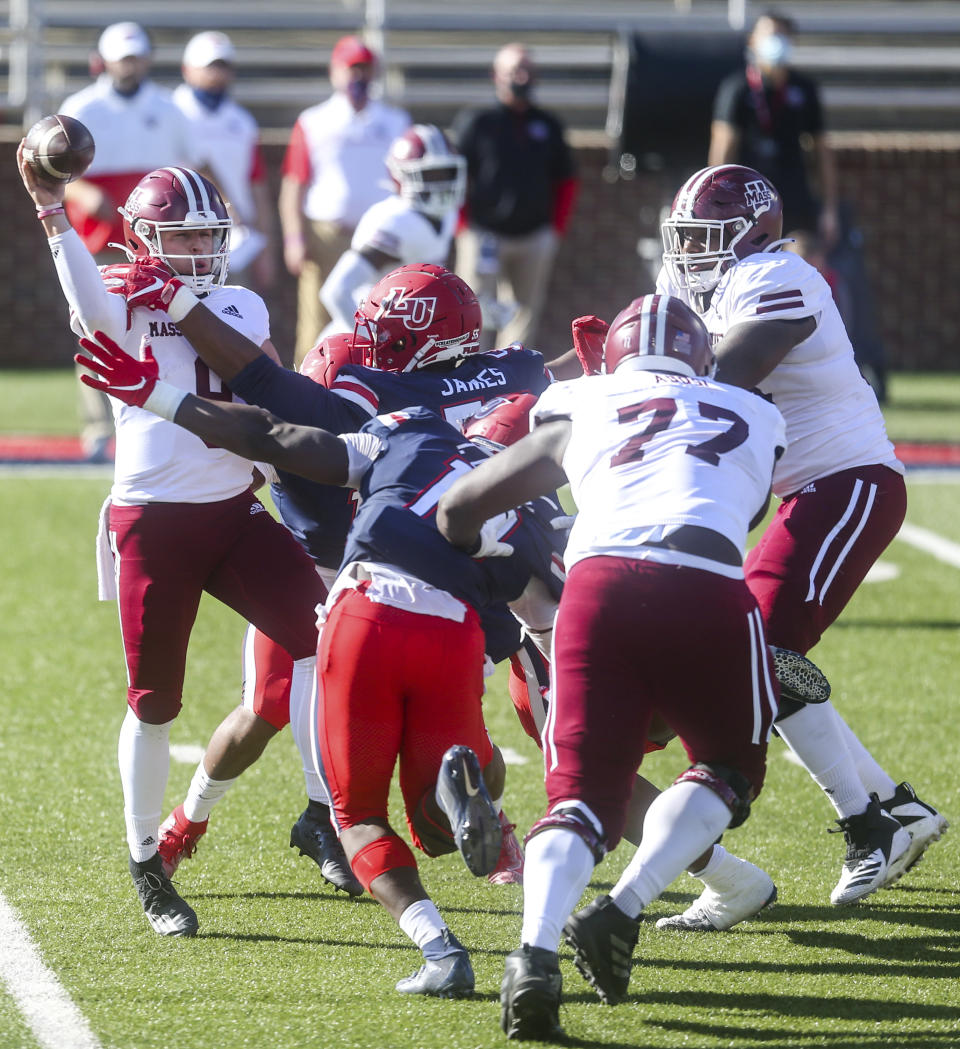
[588, 336]
[144, 282]
[122, 376]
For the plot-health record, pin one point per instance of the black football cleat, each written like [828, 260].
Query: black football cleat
[166, 910]
[530, 995]
[474, 820]
[315, 837]
[603, 938]
[448, 977]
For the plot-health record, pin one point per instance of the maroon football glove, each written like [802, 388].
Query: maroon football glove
[122, 376]
[588, 336]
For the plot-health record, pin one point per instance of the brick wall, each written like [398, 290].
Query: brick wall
[906, 195]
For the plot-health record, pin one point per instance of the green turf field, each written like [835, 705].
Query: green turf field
[282, 962]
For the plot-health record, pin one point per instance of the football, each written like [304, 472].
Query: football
[58, 148]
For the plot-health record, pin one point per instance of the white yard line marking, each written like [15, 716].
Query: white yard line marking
[513, 757]
[55, 1021]
[931, 543]
[186, 753]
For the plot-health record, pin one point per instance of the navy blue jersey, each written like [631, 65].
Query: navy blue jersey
[319, 515]
[420, 458]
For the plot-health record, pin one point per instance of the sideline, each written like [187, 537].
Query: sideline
[49, 1011]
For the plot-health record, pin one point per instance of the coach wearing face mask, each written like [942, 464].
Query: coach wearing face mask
[334, 169]
[520, 194]
[767, 117]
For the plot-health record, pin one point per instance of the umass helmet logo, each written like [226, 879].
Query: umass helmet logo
[757, 194]
[416, 312]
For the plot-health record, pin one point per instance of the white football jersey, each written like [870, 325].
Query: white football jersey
[156, 460]
[397, 229]
[650, 451]
[833, 419]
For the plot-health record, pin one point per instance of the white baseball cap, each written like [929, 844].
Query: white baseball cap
[123, 39]
[205, 48]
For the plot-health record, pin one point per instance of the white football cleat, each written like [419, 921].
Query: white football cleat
[877, 850]
[921, 821]
[713, 911]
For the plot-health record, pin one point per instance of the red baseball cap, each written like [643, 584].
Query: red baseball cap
[351, 51]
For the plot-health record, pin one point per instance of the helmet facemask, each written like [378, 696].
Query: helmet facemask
[434, 186]
[153, 235]
[700, 271]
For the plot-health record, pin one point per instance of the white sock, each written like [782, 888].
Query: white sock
[874, 779]
[678, 827]
[303, 726]
[722, 871]
[143, 753]
[203, 794]
[813, 734]
[556, 869]
[421, 921]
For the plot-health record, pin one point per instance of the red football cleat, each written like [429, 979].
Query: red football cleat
[178, 839]
[509, 868]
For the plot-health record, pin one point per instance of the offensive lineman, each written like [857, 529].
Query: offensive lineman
[776, 327]
[670, 470]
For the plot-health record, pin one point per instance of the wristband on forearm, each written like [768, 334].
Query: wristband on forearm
[181, 304]
[164, 400]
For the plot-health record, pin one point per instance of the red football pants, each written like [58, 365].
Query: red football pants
[394, 684]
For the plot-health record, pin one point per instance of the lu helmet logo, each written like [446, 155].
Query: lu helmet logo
[416, 312]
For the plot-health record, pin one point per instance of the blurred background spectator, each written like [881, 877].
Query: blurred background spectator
[521, 188]
[766, 115]
[227, 143]
[333, 171]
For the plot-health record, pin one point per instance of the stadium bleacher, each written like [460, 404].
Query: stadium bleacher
[882, 65]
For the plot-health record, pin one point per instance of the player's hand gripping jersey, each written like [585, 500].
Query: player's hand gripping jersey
[651, 451]
[833, 419]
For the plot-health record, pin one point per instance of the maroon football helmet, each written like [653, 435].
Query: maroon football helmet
[427, 171]
[659, 333]
[323, 361]
[500, 422]
[720, 215]
[173, 199]
[415, 316]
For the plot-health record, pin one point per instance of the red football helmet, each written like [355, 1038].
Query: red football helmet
[720, 215]
[500, 422]
[324, 361]
[415, 316]
[659, 333]
[173, 199]
[427, 171]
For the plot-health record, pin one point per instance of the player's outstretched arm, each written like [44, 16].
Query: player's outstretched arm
[222, 348]
[525, 471]
[250, 432]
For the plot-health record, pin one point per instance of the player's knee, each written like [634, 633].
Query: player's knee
[154, 706]
[577, 818]
[379, 856]
[731, 786]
